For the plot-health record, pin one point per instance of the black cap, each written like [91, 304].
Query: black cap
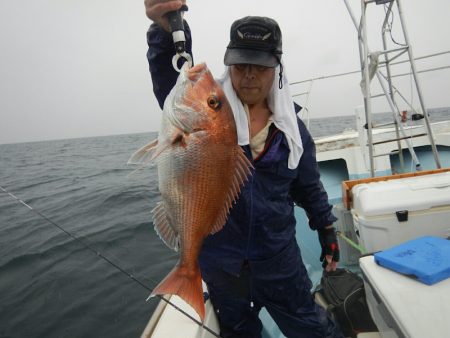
[254, 40]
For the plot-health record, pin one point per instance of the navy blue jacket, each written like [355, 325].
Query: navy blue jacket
[262, 222]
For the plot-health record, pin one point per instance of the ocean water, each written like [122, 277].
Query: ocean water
[50, 284]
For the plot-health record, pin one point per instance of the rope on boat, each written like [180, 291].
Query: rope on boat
[106, 259]
[358, 247]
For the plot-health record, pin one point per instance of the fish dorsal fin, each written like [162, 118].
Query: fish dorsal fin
[163, 228]
[242, 171]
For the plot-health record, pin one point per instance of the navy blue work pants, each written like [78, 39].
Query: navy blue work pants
[281, 285]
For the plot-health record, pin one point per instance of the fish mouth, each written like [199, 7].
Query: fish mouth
[196, 72]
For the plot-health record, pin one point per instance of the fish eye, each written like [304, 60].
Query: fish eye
[213, 102]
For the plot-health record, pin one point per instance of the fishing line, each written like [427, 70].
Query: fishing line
[106, 259]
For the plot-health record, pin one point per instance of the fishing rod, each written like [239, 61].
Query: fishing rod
[106, 259]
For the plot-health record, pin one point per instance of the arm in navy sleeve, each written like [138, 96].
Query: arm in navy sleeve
[307, 190]
[160, 53]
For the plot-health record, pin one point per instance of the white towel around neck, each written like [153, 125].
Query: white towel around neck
[283, 114]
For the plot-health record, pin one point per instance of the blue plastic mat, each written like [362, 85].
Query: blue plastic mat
[426, 258]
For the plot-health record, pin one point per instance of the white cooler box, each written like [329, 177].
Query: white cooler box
[388, 213]
[403, 307]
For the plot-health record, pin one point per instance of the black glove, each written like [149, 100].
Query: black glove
[328, 242]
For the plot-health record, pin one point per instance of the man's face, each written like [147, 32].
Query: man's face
[252, 83]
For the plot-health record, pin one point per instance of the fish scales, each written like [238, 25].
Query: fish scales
[201, 168]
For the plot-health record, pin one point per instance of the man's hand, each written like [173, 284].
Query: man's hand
[156, 10]
[330, 248]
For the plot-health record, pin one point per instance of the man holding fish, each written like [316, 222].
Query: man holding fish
[242, 230]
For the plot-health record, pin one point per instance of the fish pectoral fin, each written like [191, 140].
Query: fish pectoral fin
[163, 228]
[144, 154]
[241, 173]
[150, 151]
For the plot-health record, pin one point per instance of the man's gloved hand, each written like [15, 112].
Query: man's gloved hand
[157, 9]
[330, 248]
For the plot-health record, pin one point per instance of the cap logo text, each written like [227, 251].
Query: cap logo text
[253, 36]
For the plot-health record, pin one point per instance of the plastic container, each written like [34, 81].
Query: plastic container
[404, 307]
[388, 213]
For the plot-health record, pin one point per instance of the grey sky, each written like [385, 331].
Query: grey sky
[78, 68]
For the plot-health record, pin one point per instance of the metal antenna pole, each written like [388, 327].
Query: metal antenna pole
[389, 80]
[389, 55]
[366, 91]
[418, 87]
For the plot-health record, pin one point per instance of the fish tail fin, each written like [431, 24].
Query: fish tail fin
[186, 284]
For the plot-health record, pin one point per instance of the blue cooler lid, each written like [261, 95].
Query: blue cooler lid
[426, 258]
